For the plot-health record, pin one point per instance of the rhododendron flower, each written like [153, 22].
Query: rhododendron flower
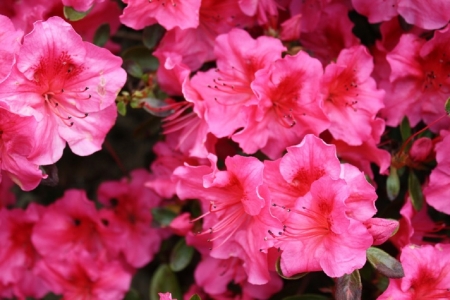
[165, 296]
[127, 218]
[68, 85]
[319, 231]
[69, 227]
[437, 190]
[170, 14]
[333, 32]
[87, 278]
[17, 141]
[9, 45]
[18, 255]
[420, 78]
[238, 207]
[427, 270]
[288, 106]
[351, 99]
[228, 88]
[431, 14]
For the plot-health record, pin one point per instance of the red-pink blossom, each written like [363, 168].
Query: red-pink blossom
[318, 230]
[86, 278]
[421, 149]
[228, 88]
[238, 207]
[288, 107]
[9, 45]
[69, 227]
[333, 32]
[17, 142]
[351, 98]
[170, 14]
[420, 80]
[427, 270]
[127, 218]
[18, 256]
[68, 85]
[437, 190]
[432, 14]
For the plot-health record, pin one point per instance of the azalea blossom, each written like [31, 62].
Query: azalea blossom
[426, 274]
[68, 85]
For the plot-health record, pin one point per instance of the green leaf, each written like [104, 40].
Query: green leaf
[195, 297]
[307, 297]
[122, 108]
[280, 273]
[133, 68]
[405, 129]
[447, 106]
[163, 216]
[384, 263]
[142, 57]
[349, 287]
[102, 35]
[73, 15]
[392, 184]
[152, 35]
[415, 191]
[132, 295]
[181, 256]
[163, 281]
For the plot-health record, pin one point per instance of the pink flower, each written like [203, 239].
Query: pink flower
[288, 106]
[437, 191]
[18, 255]
[69, 227]
[228, 88]
[318, 230]
[9, 45]
[420, 80]
[429, 15]
[128, 219]
[86, 278]
[421, 149]
[68, 85]
[427, 270]
[238, 215]
[333, 32]
[170, 14]
[351, 99]
[165, 296]
[17, 141]
[291, 176]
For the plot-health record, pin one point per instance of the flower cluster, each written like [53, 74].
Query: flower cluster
[288, 137]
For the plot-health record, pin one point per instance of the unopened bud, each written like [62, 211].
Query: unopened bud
[421, 149]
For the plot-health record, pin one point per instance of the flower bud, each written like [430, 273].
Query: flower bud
[421, 149]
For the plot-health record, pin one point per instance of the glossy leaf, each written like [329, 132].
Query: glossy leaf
[141, 56]
[384, 263]
[122, 108]
[163, 216]
[102, 34]
[163, 281]
[152, 35]
[349, 287]
[181, 256]
[415, 191]
[73, 15]
[195, 297]
[393, 184]
[405, 129]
